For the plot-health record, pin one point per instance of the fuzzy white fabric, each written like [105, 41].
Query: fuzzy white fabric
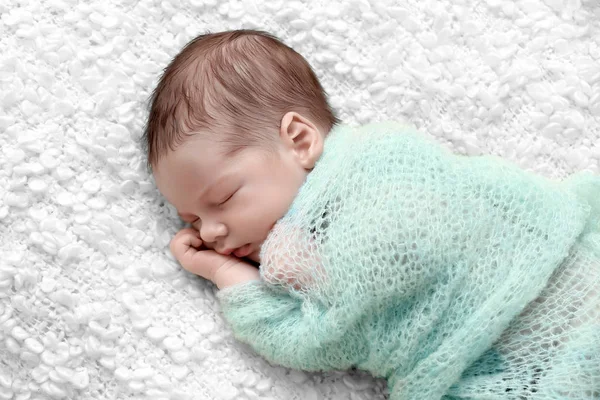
[92, 305]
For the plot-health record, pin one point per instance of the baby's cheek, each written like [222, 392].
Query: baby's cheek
[196, 225]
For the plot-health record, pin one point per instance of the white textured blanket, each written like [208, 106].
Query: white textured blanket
[92, 305]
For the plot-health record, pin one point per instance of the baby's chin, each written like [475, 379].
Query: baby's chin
[255, 256]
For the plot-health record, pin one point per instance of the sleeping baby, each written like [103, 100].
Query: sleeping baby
[452, 277]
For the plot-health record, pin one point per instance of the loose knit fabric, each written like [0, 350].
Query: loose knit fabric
[448, 275]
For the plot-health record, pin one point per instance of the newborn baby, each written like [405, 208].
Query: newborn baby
[452, 277]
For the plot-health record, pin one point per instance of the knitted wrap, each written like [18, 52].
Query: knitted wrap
[447, 275]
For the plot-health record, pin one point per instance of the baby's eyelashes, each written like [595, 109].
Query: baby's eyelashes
[226, 199]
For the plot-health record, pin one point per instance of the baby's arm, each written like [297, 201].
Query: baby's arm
[223, 271]
[284, 329]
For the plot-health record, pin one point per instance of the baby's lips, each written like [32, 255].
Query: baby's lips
[243, 251]
[224, 252]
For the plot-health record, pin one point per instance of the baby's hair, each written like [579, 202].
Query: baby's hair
[238, 83]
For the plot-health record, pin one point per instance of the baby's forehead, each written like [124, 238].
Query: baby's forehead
[197, 155]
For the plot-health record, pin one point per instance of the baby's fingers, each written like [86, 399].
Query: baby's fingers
[223, 270]
[192, 240]
[186, 242]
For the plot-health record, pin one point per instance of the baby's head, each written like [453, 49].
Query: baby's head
[236, 123]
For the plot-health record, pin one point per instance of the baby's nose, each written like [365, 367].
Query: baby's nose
[211, 232]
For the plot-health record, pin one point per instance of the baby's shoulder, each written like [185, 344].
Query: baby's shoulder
[386, 133]
[374, 127]
[387, 127]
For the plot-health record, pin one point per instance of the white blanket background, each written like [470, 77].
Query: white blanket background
[92, 305]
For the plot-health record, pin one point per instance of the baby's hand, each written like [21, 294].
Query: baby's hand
[224, 271]
[185, 245]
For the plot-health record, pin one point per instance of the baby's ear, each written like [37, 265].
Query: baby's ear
[303, 137]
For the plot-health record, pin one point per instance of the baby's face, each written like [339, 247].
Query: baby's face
[233, 201]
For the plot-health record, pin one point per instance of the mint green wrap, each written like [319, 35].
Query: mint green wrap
[453, 277]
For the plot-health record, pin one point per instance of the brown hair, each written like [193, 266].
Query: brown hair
[240, 83]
